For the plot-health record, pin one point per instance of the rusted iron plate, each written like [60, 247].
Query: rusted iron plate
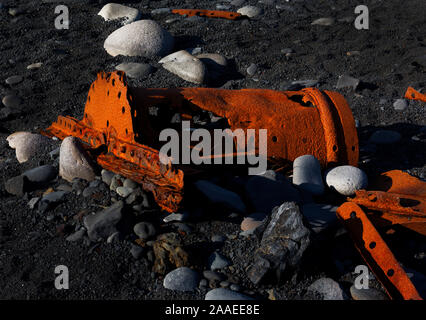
[118, 117]
[376, 253]
[412, 94]
[208, 13]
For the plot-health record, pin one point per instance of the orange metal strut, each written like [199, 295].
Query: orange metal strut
[412, 94]
[208, 13]
[117, 117]
[399, 199]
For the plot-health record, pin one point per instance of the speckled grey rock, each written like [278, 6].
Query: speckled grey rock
[225, 294]
[26, 144]
[74, 162]
[307, 174]
[141, 38]
[182, 279]
[346, 179]
[367, 294]
[385, 137]
[400, 104]
[220, 195]
[114, 11]
[217, 261]
[328, 289]
[185, 66]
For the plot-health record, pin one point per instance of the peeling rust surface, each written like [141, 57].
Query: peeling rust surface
[208, 13]
[412, 94]
[117, 119]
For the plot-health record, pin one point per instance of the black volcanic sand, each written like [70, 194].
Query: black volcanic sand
[391, 58]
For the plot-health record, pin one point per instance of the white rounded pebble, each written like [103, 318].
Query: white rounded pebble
[141, 38]
[74, 161]
[186, 66]
[307, 174]
[346, 179]
[250, 11]
[114, 11]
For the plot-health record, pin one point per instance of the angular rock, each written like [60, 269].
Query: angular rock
[76, 236]
[74, 161]
[347, 81]
[181, 279]
[16, 185]
[252, 69]
[219, 195]
[50, 199]
[307, 174]
[328, 289]
[346, 179]
[185, 66]
[114, 11]
[135, 70]
[27, 144]
[225, 294]
[104, 223]
[269, 190]
[283, 243]
[143, 38]
[217, 261]
[385, 137]
[250, 11]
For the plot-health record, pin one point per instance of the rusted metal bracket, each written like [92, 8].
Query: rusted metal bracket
[208, 13]
[118, 118]
[376, 253]
[412, 94]
[400, 199]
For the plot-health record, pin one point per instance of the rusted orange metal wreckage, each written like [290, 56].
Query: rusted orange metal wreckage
[116, 124]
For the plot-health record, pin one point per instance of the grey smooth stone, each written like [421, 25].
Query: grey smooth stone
[328, 288]
[346, 179]
[14, 80]
[182, 279]
[135, 70]
[104, 223]
[41, 174]
[11, 101]
[144, 230]
[307, 174]
[367, 294]
[220, 195]
[225, 294]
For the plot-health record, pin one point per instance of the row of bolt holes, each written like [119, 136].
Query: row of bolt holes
[372, 245]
